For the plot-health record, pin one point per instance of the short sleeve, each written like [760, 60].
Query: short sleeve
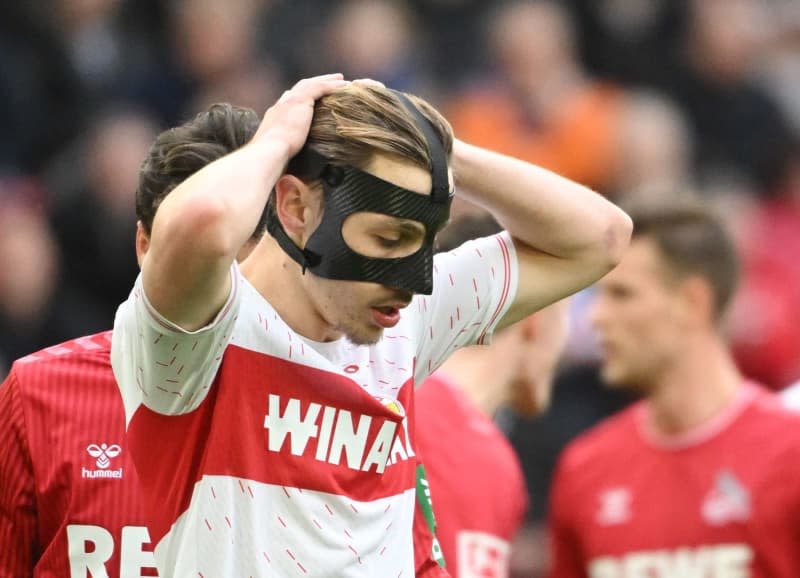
[18, 529]
[161, 366]
[473, 287]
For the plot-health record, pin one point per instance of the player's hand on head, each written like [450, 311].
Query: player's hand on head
[289, 119]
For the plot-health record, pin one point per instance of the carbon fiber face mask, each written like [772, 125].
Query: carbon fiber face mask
[348, 190]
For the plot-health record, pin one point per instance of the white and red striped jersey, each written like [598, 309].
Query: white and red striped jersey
[262, 453]
[69, 495]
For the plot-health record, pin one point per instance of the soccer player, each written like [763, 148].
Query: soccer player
[69, 495]
[280, 392]
[476, 481]
[702, 476]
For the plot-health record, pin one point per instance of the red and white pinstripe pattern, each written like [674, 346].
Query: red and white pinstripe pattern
[228, 462]
[54, 404]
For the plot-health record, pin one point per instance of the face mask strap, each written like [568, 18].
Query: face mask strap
[440, 191]
[308, 164]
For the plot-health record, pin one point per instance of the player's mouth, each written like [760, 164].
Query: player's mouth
[386, 313]
[386, 316]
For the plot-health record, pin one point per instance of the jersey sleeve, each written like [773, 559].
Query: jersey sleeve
[565, 554]
[473, 287]
[17, 489]
[161, 366]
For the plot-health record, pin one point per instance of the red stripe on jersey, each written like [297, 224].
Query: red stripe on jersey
[506, 285]
[17, 494]
[55, 405]
[275, 422]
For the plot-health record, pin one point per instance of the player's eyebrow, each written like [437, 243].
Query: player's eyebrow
[407, 226]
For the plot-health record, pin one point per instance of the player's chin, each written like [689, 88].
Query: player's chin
[366, 335]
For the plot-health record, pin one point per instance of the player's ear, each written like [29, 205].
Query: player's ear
[142, 242]
[297, 206]
[698, 300]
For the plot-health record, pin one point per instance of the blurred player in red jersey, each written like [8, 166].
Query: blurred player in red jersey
[70, 502]
[281, 391]
[476, 482]
[702, 476]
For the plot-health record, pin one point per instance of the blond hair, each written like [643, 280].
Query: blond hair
[353, 124]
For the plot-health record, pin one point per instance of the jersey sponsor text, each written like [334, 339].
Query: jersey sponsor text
[91, 547]
[719, 561]
[339, 433]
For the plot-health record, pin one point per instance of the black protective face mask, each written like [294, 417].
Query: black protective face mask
[348, 190]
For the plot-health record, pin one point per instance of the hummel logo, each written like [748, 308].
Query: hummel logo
[615, 507]
[103, 455]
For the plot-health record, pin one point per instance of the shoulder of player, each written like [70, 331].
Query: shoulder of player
[600, 441]
[768, 408]
[51, 364]
[475, 247]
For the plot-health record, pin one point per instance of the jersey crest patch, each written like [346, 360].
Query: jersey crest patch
[727, 501]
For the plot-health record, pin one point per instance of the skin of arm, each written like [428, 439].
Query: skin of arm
[200, 226]
[566, 236]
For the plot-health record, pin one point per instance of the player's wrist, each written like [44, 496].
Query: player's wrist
[273, 149]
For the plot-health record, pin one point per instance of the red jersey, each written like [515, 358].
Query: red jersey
[720, 502]
[476, 481]
[69, 497]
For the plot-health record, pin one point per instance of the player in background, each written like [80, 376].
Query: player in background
[702, 476]
[69, 495]
[281, 391]
[476, 482]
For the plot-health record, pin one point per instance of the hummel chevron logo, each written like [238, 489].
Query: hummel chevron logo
[103, 455]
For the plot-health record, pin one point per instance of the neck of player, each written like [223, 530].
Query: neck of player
[696, 388]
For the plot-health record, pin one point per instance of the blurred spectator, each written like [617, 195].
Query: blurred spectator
[779, 70]
[214, 56]
[451, 29]
[655, 147]
[92, 222]
[40, 94]
[377, 39]
[541, 106]
[36, 304]
[739, 130]
[631, 41]
[282, 22]
[104, 47]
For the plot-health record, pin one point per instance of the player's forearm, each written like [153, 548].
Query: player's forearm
[200, 227]
[542, 209]
[215, 211]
